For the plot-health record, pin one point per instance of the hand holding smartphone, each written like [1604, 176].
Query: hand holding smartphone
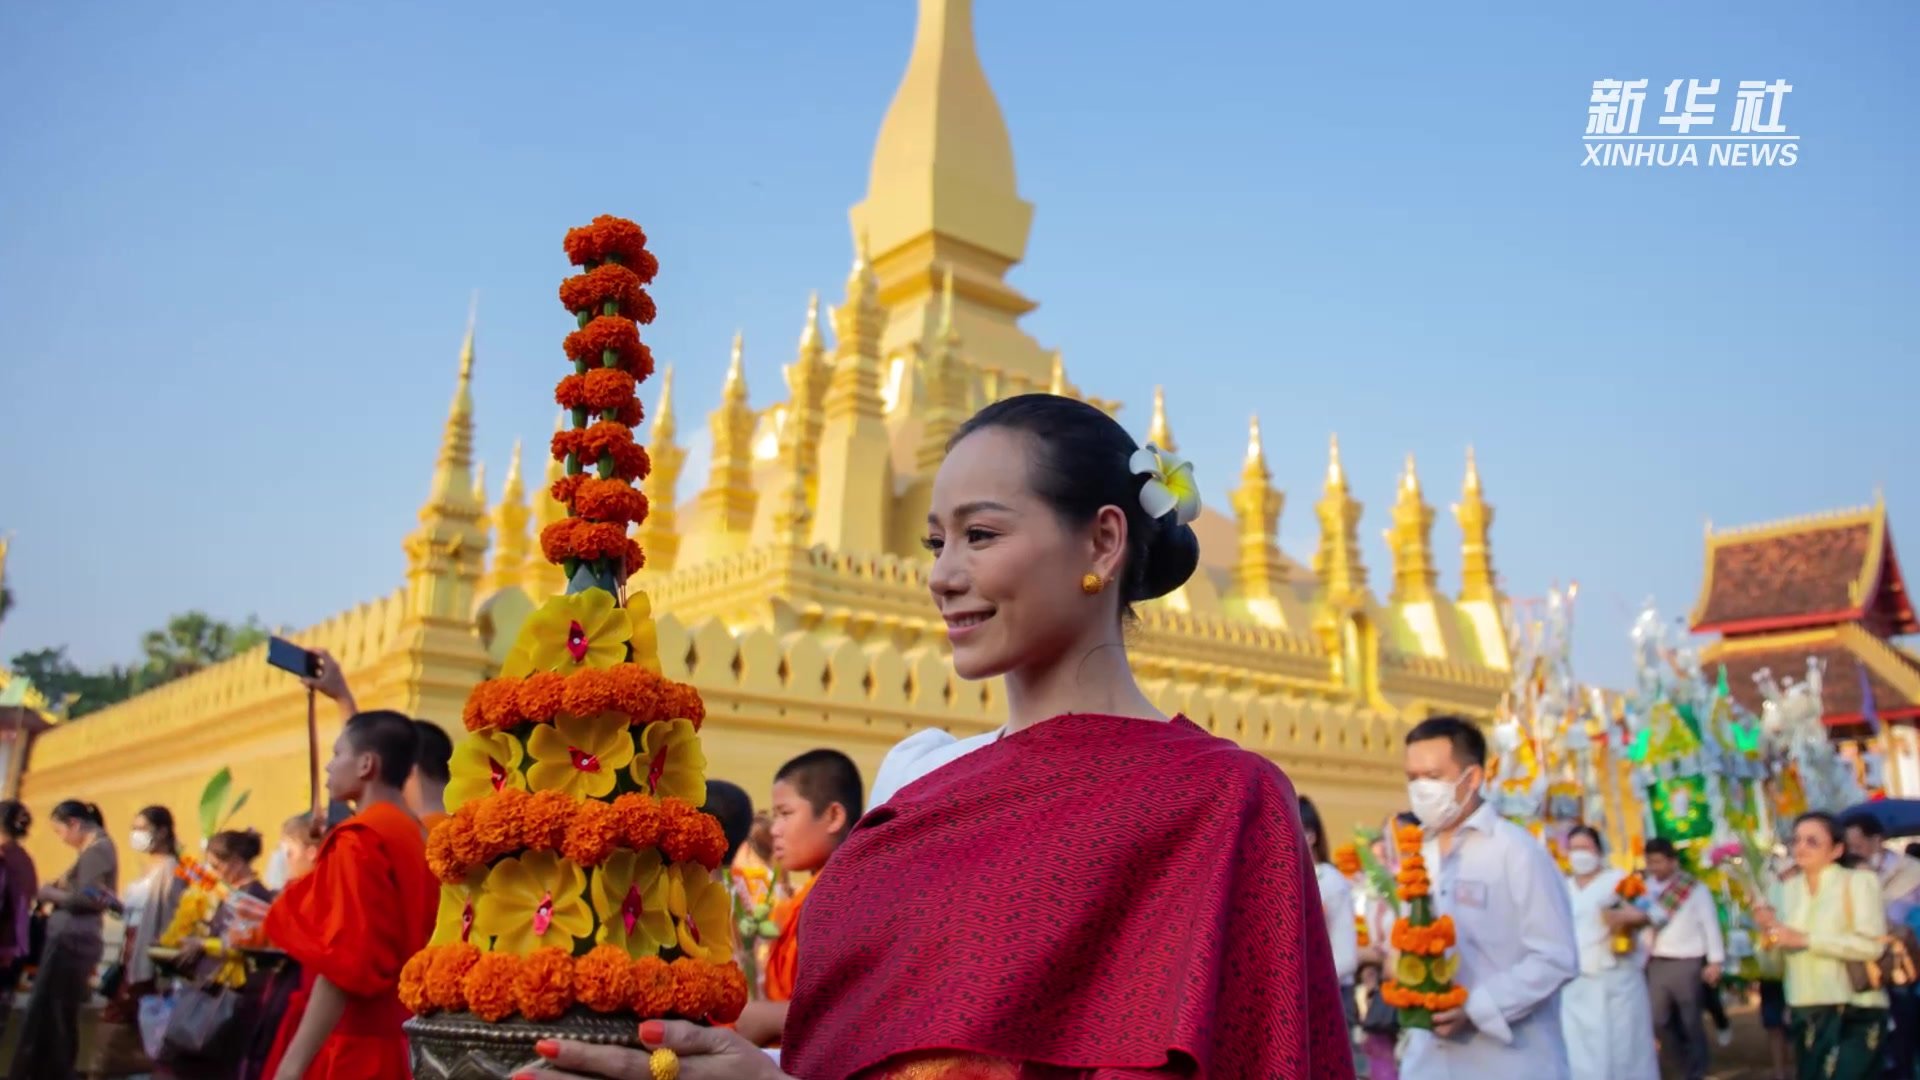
[293, 659]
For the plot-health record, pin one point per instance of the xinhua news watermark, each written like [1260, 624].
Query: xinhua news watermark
[1688, 131]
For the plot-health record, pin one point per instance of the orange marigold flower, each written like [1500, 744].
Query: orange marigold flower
[604, 979]
[610, 500]
[636, 819]
[608, 281]
[1408, 839]
[687, 835]
[496, 821]
[543, 989]
[577, 538]
[1346, 859]
[599, 389]
[589, 344]
[591, 691]
[493, 703]
[591, 834]
[489, 985]
[731, 998]
[613, 238]
[465, 848]
[543, 824]
[440, 858]
[562, 489]
[413, 983]
[539, 697]
[652, 988]
[691, 998]
[446, 978]
[629, 412]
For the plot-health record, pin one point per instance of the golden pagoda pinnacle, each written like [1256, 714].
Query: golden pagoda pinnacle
[547, 509]
[1410, 540]
[659, 535]
[510, 518]
[444, 555]
[1057, 380]
[1337, 564]
[946, 389]
[807, 386]
[1158, 431]
[727, 501]
[852, 494]
[480, 482]
[943, 161]
[1477, 580]
[1258, 573]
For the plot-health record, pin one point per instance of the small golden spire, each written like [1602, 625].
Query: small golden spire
[727, 501]
[1057, 383]
[1410, 480]
[1159, 433]
[1256, 452]
[812, 337]
[547, 509]
[1336, 473]
[663, 423]
[480, 482]
[1477, 580]
[1336, 562]
[511, 552]
[513, 488]
[1259, 572]
[736, 385]
[659, 535]
[1410, 540]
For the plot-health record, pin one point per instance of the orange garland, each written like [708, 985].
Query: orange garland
[1630, 888]
[1429, 940]
[610, 333]
[604, 284]
[613, 238]
[584, 831]
[545, 983]
[598, 390]
[1401, 998]
[1346, 859]
[642, 695]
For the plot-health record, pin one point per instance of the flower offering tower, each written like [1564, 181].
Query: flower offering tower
[578, 894]
[1422, 982]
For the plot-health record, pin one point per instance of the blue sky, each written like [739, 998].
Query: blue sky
[237, 244]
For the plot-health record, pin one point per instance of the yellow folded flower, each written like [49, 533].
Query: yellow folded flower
[670, 762]
[533, 900]
[571, 631]
[630, 901]
[702, 913]
[454, 923]
[581, 756]
[484, 762]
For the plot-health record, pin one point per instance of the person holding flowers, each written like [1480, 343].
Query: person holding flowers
[1507, 906]
[1097, 891]
[1605, 1012]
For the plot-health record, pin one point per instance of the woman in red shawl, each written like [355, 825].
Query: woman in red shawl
[1096, 891]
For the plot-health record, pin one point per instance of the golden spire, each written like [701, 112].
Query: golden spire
[854, 484]
[855, 385]
[1258, 573]
[511, 549]
[1410, 540]
[538, 576]
[1158, 433]
[1343, 577]
[480, 482]
[1057, 381]
[659, 534]
[946, 389]
[727, 501]
[444, 555]
[1477, 579]
[943, 162]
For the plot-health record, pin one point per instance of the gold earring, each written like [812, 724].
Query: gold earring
[1092, 583]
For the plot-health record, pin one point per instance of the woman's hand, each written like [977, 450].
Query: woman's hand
[705, 1054]
[1786, 937]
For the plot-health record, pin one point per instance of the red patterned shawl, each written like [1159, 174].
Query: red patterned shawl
[1092, 893]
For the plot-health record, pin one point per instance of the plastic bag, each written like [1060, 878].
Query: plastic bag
[155, 1011]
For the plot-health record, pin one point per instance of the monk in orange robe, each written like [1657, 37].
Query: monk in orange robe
[432, 770]
[352, 923]
[817, 799]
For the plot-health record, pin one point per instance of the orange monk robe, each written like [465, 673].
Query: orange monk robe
[368, 906]
[783, 959]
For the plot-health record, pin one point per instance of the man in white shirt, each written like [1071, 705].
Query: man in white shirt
[1510, 911]
[1688, 951]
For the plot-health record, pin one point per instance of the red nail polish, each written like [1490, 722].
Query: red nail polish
[547, 1048]
[653, 1033]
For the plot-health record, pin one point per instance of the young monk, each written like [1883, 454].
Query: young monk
[365, 909]
[816, 802]
[432, 770]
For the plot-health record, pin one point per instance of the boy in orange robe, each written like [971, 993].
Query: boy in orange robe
[432, 770]
[817, 799]
[353, 922]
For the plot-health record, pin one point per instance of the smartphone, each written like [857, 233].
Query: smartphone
[289, 657]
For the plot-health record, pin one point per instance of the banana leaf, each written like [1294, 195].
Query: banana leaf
[1379, 880]
[212, 798]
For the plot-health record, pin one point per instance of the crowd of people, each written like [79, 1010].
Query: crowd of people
[1093, 890]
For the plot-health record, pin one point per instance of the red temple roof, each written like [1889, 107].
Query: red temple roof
[1821, 571]
[1844, 652]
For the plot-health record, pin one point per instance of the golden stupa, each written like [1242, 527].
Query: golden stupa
[791, 588]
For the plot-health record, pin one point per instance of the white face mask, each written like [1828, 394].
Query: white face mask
[1435, 802]
[140, 840]
[1583, 862]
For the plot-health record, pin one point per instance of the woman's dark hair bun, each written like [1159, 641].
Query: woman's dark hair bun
[15, 818]
[241, 845]
[75, 810]
[1084, 464]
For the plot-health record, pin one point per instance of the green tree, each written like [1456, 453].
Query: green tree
[6, 602]
[195, 640]
[55, 675]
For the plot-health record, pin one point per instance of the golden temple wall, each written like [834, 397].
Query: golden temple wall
[769, 697]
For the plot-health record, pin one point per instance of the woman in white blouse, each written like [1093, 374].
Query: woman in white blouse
[1605, 1013]
[1336, 899]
